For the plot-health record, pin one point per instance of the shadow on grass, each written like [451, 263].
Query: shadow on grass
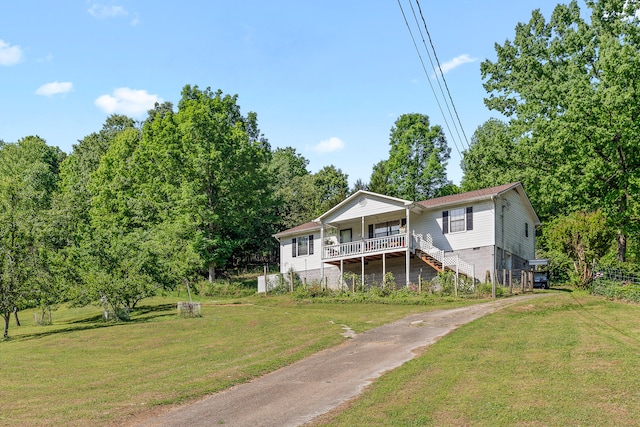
[142, 314]
[561, 289]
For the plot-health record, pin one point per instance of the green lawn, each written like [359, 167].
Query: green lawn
[563, 361]
[82, 371]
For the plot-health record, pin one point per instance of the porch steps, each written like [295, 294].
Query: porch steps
[435, 257]
[435, 264]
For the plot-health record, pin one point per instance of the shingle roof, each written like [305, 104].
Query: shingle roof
[470, 195]
[302, 227]
[431, 203]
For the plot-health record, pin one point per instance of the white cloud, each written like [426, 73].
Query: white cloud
[456, 62]
[47, 58]
[127, 101]
[54, 88]
[329, 145]
[102, 11]
[10, 55]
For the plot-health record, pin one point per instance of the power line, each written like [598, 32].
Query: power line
[441, 73]
[435, 71]
[424, 68]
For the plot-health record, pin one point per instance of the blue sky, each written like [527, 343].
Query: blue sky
[328, 78]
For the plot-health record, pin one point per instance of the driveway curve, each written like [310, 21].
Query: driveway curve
[298, 393]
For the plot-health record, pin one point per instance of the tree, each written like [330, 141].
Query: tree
[576, 242]
[571, 88]
[28, 178]
[492, 157]
[359, 185]
[417, 158]
[380, 181]
[288, 170]
[332, 186]
[225, 189]
[121, 267]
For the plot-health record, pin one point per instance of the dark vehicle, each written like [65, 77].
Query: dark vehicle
[541, 279]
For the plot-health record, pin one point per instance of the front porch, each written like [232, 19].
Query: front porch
[375, 248]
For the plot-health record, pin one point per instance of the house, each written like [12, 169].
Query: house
[472, 234]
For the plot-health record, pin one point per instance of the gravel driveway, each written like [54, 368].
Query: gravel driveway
[296, 394]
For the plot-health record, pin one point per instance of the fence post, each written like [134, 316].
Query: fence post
[510, 281]
[266, 282]
[494, 284]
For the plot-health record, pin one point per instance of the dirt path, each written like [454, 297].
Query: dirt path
[296, 394]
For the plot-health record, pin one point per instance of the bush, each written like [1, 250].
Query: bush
[224, 288]
[613, 289]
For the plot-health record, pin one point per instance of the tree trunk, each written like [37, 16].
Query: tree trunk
[622, 247]
[212, 272]
[15, 313]
[7, 316]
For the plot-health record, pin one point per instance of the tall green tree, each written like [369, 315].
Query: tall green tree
[418, 158]
[28, 177]
[492, 158]
[571, 88]
[332, 186]
[379, 181]
[225, 187]
[289, 172]
[121, 268]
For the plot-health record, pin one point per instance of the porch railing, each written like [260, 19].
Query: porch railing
[361, 247]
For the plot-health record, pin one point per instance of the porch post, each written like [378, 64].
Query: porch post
[321, 252]
[362, 230]
[341, 273]
[362, 264]
[408, 252]
[384, 266]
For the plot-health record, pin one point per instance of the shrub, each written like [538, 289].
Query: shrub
[224, 288]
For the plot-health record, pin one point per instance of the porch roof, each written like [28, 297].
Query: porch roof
[360, 193]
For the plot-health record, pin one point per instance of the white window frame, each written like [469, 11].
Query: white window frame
[457, 220]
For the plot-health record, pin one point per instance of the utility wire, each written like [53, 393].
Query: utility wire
[435, 74]
[441, 73]
[424, 68]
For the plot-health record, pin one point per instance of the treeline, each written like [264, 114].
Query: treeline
[138, 207]
[570, 90]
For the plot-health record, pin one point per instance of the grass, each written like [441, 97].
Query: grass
[82, 371]
[565, 361]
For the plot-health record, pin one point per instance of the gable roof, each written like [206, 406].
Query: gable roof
[360, 193]
[468, 197]
[482, 194]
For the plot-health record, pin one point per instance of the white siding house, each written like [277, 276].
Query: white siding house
[370, 234]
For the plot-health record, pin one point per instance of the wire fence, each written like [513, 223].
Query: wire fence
[616, 283]
[616, 275]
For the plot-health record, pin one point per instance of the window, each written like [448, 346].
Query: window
[346, 235]
[384, 229]
[456, 220]
[526, 229]
[302, 246]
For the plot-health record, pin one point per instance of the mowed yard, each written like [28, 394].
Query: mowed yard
[570, 359]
